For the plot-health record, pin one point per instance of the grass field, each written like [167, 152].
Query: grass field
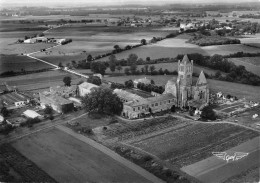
[228, 49]
[67, 159]
[192, 143]
[42, 80]
[251, 92]
[251, 64]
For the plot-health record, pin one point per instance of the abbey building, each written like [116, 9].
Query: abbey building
[187, 92]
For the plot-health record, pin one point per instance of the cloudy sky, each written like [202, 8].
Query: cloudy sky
[107, 2]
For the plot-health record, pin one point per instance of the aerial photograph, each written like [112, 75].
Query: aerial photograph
[129, 91]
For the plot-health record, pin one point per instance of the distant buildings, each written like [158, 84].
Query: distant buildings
[36, 40]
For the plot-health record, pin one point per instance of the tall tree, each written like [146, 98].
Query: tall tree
[89, 58]
[119, 68]
[94, 80]
[152, 68]
[98, 67]
[143, 41]
[112, 63]
[103, 100]
[67, 80]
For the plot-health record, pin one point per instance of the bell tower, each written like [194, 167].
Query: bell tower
[185, 70]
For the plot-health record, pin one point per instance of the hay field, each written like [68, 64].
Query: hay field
[236, 89]
[67, 159]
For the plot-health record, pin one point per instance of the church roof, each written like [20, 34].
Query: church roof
[185, 59]
[202, 79]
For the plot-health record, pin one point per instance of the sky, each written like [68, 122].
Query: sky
[4, 3]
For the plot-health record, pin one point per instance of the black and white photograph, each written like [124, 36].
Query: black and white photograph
[129, 91]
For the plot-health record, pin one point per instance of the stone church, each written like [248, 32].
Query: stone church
[186, 92]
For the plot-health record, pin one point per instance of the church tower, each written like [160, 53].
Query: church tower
[185, 70]
[184, 81]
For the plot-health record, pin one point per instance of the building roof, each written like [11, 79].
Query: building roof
[63, 89]
[87, 86]
[202, 79]
[150, 100]
[161, 97]
[31, 114]
[185, 60]
[127, 95]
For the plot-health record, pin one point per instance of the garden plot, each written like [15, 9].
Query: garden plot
[192, 143]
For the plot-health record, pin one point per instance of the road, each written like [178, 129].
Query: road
[111, 154]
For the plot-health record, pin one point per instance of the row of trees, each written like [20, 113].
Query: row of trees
[150, 88]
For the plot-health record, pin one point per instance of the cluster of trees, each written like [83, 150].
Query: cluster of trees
[150, 88]
[242, 54]
[103, 100]
[94, 80]
[203, 40]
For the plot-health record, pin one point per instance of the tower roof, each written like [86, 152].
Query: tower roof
[202, 79]
[185, 59]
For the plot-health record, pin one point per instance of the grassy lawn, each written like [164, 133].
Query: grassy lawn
[250, 93]
[67, 159]
[192, 143]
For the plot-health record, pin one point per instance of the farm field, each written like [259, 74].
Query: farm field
[160, 50]
[251, 175]
[228, 49]
[41, 80]
[21, 168]
[192, 143]
[251, 92]
[69, 160]
[251, 64]
[213, 169]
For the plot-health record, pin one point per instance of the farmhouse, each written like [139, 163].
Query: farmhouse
[57, 102]
[86, 88]
[186, 93]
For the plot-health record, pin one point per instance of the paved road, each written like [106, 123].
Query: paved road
[111, 154]
[213, 170]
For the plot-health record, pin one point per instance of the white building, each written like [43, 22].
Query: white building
[86, 88]
[31, 114]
